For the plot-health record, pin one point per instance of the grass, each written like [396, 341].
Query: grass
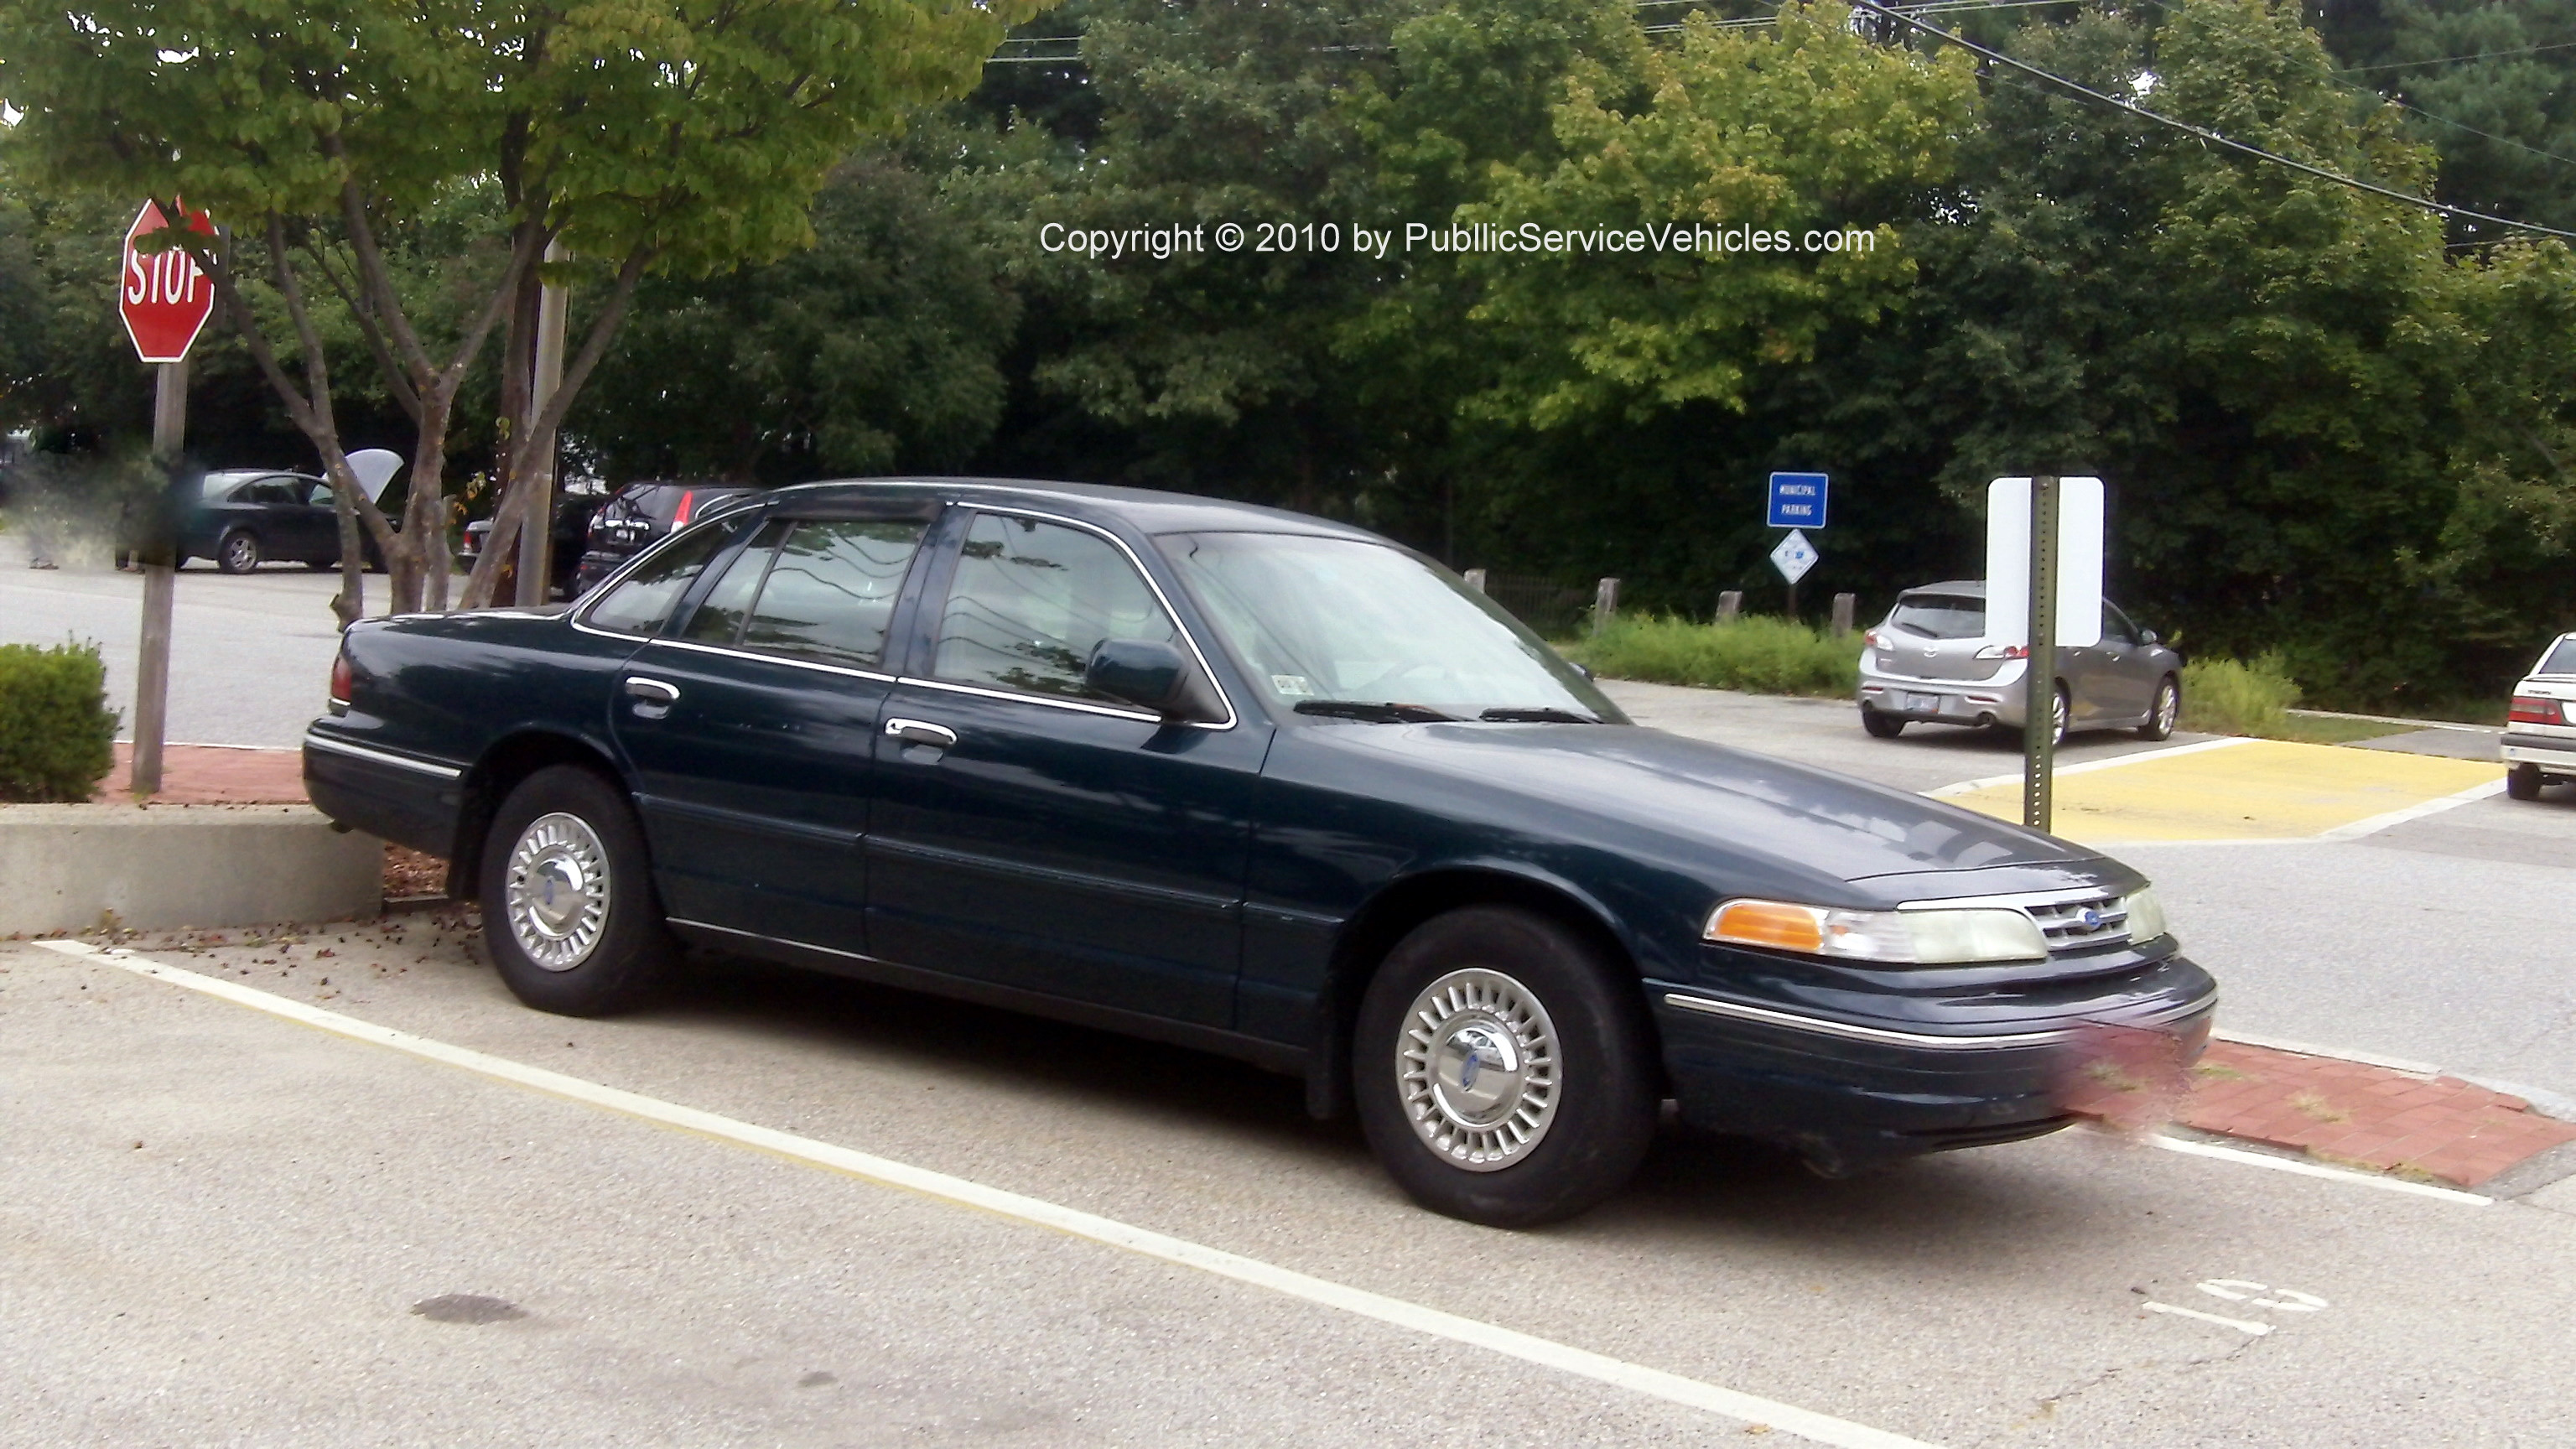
[2229, 697]
[2325, 730]
[1754, 654]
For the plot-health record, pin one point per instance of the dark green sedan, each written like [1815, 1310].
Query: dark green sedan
[1255, 783]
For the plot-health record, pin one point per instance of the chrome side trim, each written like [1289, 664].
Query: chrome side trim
[723, 652]
[1079, 706]
[1232, 718]
[1874, 1034]
[314, 741]
[781, 940]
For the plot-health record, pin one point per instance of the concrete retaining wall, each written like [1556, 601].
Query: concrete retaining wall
[65, 867]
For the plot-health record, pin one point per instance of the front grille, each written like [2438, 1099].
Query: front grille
[2074, 925]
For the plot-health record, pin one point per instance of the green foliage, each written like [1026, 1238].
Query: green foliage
[2229, 697]
[56, 731]
[1756, 654]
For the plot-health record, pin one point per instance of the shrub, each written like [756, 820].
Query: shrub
[1756, 654]
[56, 731]
[2224, 697]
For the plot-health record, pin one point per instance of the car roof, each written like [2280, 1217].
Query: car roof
[1966, 588]
[1149, 510]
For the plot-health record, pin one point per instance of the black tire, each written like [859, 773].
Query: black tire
[618, 961]
[238, 552]
[1880, 727]
[1598, 1119]
[2523, 782]
[321, 565]
[2166, 709]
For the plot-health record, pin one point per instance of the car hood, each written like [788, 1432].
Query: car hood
[1631, 785]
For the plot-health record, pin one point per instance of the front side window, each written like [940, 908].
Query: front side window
[1032, 600]
[1322, 623]
[642, 601]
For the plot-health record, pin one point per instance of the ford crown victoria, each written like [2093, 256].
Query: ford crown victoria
[1255, 783]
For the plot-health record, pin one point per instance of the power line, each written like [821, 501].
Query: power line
[2448, 59]
[2206, 134]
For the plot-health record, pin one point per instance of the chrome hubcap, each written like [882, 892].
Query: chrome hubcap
[2168, 704]
[1477, 1065]
[557, 891]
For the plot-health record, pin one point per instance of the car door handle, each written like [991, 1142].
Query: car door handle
[921, 732]
[652, 691]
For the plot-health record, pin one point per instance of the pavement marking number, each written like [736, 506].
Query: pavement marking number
[2243, 1290]
[1749, 1409]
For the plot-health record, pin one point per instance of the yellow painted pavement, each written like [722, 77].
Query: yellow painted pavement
[2256, 790]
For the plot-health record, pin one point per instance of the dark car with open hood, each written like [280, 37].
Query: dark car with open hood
[1254, 783]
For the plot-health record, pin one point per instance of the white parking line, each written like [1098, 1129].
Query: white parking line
[1636, 1378]
[2312, 1169]
[2239, 1324]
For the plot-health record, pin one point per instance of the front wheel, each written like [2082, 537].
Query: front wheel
[2523, 782]
[1505, 1071]
[2167, 709]
[569, 910]
[1880, 727]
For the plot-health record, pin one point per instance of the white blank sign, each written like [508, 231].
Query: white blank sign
[2079, 561]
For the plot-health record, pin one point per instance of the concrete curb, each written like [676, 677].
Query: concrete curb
[74, 867]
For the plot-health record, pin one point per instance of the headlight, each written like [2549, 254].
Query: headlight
[1931, 935]
[2146, 915]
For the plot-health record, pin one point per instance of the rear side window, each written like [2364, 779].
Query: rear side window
[641, 602]
[1939, 616]
[1033, 599]
[830, 588]
[2561, 659]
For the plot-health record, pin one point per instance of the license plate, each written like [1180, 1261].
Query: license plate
[1922, 704]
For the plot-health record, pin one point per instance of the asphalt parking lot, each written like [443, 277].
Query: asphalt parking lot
[333, 1185]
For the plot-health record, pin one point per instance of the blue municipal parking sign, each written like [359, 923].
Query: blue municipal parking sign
[1797, 500]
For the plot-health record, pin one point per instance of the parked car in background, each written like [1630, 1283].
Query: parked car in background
[1930, 662]
[242, 518]
[1254, 783]
[2539, 744]
[638, 515]
[574, 509]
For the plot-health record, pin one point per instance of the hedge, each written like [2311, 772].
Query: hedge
[56, 730]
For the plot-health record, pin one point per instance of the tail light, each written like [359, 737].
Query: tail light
[2009, 651]
[688, 501]
[1872, 639]
[344, 682]
[2532, 709]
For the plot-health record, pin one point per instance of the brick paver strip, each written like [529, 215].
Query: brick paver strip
[2353, 1112]
[214, 775]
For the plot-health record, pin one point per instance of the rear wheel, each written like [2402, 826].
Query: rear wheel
[569, 910]
[1880, 726]
[2062, 712]
[238, 552]
[2167, 709]
[2523, 782]
[1505, 1069]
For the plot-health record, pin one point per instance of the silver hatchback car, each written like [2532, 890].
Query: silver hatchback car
[1930, 662]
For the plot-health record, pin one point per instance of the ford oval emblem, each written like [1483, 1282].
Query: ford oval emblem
[2092, 919]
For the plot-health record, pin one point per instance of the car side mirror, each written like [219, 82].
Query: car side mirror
[1143, 672]
[2148, 636]
[1583, 669]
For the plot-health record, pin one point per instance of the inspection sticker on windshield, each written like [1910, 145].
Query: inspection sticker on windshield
[1292, 685]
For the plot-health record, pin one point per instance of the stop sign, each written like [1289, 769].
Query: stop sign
[164, 299]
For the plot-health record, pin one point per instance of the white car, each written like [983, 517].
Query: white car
[2540, 729]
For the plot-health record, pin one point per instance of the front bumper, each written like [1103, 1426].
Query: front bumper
[1849, 1091]
[1995, 701]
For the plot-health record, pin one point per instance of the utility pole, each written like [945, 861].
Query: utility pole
[537, 524]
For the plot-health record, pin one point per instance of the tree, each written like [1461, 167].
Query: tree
[669, 135]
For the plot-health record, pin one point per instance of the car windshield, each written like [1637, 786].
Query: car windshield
[1326, 623]
[1939, 616]
[2562, 658]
